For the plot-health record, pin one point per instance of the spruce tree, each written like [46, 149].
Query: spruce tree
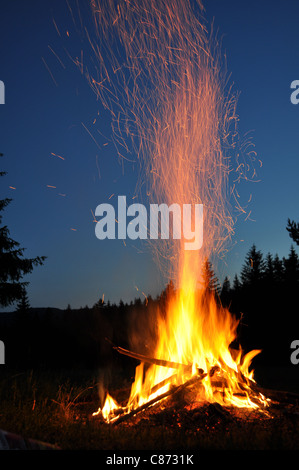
[236, 284]
[269, 277]
[269, 267]
[23, 305]
[209, 279]
[13, 265]
[253, 270]
[278, 270]
[291, 265]
[225, 294]
[293, 229]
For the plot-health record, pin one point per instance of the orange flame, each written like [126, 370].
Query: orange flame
[168, 93]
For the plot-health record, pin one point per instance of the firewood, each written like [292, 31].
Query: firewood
[161, 384]
[187, 368]
[171, 391]
[158, 362]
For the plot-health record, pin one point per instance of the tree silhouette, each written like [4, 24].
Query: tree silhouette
[293, 229]
[269, 266]
[225, 294]
[209, 279]
[99, 304]
[291, 265]
[278, 270]
[253, 269]
[13, 265]
[236, 283]
[23, 305]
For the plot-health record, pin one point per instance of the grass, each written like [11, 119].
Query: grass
[57, 408]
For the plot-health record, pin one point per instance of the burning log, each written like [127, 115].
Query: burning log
[158, 362]
[218, 377]
[162, 384]
[172, 391]
[187, 368]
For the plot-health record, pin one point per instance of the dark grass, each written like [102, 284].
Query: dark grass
[56, 407]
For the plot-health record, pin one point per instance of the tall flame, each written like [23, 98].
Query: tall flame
[168, 93]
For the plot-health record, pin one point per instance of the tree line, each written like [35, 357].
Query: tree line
[264, 296]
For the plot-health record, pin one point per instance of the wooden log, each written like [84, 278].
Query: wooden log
[243, 383]
[170, 392]
[158, 362]
[187, 368]
[161, 384]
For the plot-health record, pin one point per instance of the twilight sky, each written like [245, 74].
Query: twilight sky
[59, 158]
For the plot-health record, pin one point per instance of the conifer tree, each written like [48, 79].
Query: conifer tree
[236, 283]
[210, 280]
[291, 268]
[13, 265]
[293, 229]
[253, 269]
[278, 270]
[225, 295]
[23, 305]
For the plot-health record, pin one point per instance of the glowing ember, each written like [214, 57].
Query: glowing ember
[167, 92]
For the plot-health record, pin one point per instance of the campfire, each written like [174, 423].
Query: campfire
[193, 354]
[170, 98]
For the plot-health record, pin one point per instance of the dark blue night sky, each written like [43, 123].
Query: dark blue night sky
[51, 112]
